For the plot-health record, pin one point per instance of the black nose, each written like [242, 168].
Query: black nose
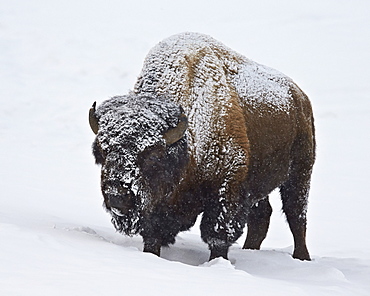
[121, 202]
[117, 195]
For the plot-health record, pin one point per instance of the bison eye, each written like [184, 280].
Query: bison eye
[151, 157]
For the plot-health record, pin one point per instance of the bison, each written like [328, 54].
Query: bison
[205, 130]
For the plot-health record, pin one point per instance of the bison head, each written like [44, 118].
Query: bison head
[141, 147]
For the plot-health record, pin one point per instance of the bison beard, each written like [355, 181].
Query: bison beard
[205, 131]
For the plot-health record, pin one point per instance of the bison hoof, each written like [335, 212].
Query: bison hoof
[154, 249]
[301, 255]
[218, 252]
[252, 245]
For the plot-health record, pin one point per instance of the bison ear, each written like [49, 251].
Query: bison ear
[93, 120]
[176, 133]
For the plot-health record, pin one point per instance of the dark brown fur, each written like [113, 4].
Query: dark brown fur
[246, 151]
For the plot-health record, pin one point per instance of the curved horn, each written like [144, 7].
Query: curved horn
[176, 133]
[93, 120]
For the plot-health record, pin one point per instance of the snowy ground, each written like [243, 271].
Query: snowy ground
[57, 57]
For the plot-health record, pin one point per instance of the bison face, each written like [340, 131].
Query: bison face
[141, 147]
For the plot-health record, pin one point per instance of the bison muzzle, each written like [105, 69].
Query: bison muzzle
[205, 130]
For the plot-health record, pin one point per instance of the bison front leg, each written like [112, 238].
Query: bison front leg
[152, 246]
[258, 222]
[215, 236]
[222, 224]
[159, 229]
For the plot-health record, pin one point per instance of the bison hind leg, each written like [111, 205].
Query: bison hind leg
[294, 192]
[258, 222]
[294, 195]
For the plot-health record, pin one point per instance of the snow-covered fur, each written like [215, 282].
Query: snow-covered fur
[250, 130]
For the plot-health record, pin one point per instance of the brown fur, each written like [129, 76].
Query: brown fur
[237, 149]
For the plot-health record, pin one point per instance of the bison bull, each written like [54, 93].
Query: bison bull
[205, 130]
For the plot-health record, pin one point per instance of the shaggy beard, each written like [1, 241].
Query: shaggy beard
[129, 224]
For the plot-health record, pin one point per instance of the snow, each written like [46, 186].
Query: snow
[260, 85]
[57, 58]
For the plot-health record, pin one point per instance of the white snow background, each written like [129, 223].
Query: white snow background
[58, 57]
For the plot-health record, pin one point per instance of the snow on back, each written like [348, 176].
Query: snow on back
[260, 85]
[208, 80]
[169, 64]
